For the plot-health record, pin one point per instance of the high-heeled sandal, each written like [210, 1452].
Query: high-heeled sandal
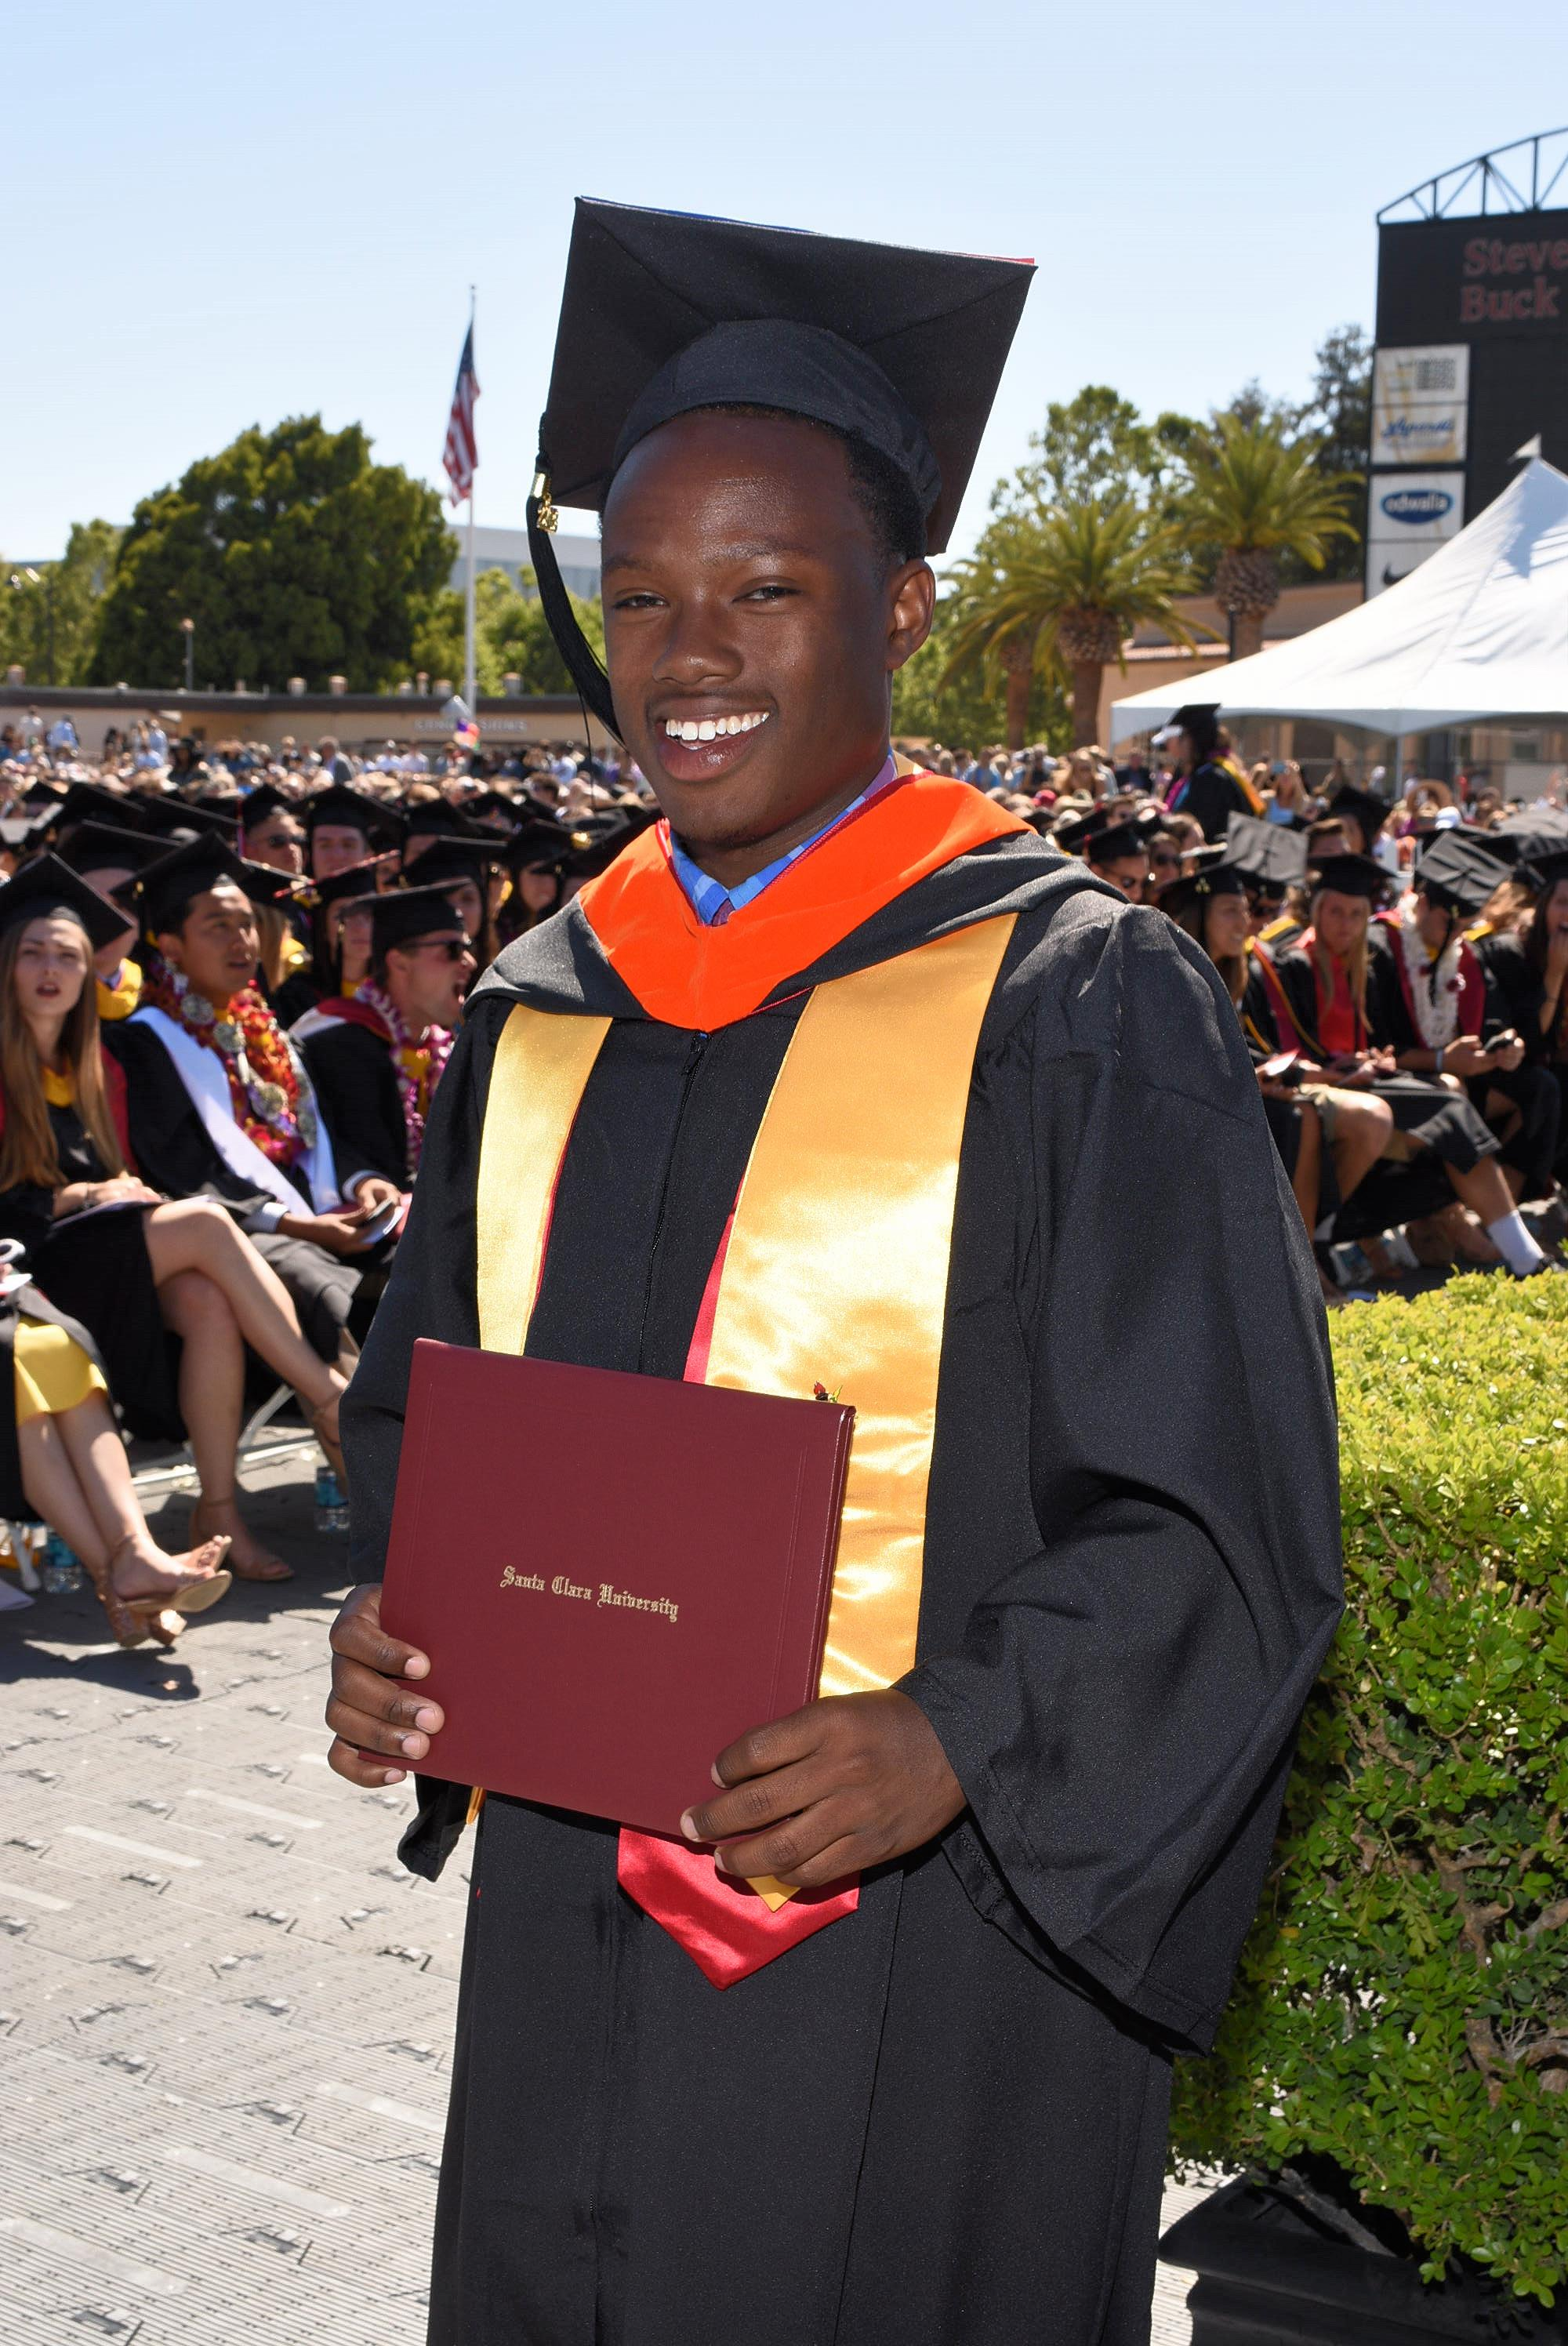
[132, 1619]
[257, 1571]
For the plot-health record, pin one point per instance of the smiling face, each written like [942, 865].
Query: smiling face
[217, 945]
[51, 967]
[1225, 927]
[752, 623]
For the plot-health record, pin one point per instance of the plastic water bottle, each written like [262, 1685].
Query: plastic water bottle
[332, 1507]
[61, 1570]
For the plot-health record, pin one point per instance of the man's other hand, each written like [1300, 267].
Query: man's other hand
[369, 1712]
[849, 1782]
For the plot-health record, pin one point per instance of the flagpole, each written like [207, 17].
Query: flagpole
[469, 684]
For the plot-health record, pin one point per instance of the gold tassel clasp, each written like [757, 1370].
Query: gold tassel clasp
[546, 517]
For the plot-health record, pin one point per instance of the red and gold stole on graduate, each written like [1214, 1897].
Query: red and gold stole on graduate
[833, 1268]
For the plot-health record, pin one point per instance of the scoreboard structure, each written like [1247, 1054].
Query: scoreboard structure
[1472, 361]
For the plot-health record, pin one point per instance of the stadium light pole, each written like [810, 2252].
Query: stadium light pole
[187, 629]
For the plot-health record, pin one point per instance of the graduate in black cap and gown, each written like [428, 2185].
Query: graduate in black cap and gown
[1526, 974]
[219, 1102]
[376, 1065]
[1208, 787]
[842, 1055]
[344, 826]
[1340, 1017]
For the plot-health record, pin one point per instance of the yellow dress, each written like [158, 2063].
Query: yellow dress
[52, 1373]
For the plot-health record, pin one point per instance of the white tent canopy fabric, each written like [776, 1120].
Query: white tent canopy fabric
[1480, 630]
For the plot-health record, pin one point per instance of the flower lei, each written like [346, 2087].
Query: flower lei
[417, 1065]
[271, 1105]
[1435, 985]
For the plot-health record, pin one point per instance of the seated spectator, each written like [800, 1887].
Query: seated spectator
[458, 867]
[1526, 975]
[63, 1463]
[270, 831]
[375, 1061]
[534, 858]
[341, 827]
[1360, 817]
[219, 1104]
[1334, 1017]
[107, 1249]
[1116, 852]
[340, 946]
[1431, 1007]
[1329, 1139]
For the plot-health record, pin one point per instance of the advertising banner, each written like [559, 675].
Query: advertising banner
[1421, 404]
[1409, 515]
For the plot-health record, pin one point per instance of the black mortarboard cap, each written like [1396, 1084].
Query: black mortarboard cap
[357, 880]
[1221, 878]
[177, 817]
[1362, 806]
[1072, 833]
[594, 846]
[537, 841]
[493, 808]
[1353, 875]
[1270, 854]
[347, 810]
[447, 860]
[1545, 868]
[47, 886]
[1199, 720]
[1460, 871]
[1112, 841]
[404, 913]
[106, 847]
[439, 819]
[199, 866]
[90, 802]
[264, 801]
[663, 313]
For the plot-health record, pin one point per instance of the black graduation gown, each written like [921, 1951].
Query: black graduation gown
[940, 2121]
[1213, 795]
[96, 1269]
[357, 1092]
[174, 1153]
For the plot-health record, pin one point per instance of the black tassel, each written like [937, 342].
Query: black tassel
[586, 670]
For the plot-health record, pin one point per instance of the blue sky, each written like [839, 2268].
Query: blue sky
[217, 215]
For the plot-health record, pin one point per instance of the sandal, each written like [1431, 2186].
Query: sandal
[250, 1562]
[132, 1619]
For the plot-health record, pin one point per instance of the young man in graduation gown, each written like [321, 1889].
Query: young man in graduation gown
[375, 1065]
[842, 1077]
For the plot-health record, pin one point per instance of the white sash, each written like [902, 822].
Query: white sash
[205, 1076]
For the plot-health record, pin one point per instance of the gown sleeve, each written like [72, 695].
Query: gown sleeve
[1122, 1707]
[357, 1094]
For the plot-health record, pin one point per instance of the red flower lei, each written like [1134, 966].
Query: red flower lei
[267, 1106]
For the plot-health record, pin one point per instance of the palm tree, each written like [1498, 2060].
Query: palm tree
[1257, 496]
[1066, 589]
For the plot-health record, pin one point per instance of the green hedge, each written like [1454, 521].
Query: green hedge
[1402, 2003]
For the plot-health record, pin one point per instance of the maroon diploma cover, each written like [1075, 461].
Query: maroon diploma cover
[613, 1575]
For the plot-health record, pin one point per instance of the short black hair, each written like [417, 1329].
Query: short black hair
[883, 494]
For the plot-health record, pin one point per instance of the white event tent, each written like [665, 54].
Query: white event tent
[1479, 630]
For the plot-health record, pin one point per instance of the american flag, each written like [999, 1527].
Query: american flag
[462, 455]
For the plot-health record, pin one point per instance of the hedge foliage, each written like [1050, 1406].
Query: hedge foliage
[1402, 2003]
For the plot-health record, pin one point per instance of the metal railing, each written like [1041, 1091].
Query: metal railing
[1521, 178]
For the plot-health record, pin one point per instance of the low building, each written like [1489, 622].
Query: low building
[361, 723]
[576, 558]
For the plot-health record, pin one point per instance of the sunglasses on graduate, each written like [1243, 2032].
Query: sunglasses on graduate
[453, 948]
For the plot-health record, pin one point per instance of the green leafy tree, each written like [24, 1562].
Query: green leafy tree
[1340, 417]
[511, 635]
[50, 611]
[1064, 590]
[1254, 496]
[293, 553]
[966, 711]
[1096, 445]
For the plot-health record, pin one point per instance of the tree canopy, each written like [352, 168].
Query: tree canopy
[511, 635]
[293, 553]
[49, 611]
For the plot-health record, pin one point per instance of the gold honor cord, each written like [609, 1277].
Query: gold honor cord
[836, 1272]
